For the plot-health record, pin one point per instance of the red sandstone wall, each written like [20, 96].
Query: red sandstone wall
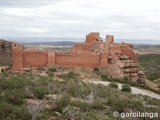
[78, 60]
[104, 59]
[81, 57]
[115, 48]
[126, 50]
[92, 37]
[81, 48]
[34, 58]
[17, 61]
[51, 57]
[110, 39]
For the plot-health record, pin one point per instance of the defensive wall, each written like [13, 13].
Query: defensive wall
[92, 53]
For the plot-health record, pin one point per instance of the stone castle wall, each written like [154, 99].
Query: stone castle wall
[117, 60]
[30, 58]
[33, 58]
[86, 60]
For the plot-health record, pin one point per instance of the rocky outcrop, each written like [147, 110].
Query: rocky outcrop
[122, 66]
[5, 53]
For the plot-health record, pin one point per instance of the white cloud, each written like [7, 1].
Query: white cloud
[36, 30]
[123, 18]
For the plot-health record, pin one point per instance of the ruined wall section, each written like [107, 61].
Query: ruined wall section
[109, 41]
[124, 49]
[104, 59]
[32, 58]
[86, 60]
[93, 36]
[51, 57]
[17, 60]
[81, 48]
[128, 51]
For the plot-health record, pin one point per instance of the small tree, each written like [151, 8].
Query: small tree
[126, 88]
[104, 77]
[114, 85]
[39, 92]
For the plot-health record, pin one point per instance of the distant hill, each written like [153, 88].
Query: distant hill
[147, 45]
[70, 41]
[58, 43]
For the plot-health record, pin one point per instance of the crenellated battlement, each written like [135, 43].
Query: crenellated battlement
[33, 50]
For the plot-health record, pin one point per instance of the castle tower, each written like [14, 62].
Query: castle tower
[93, 36]
[109, 40]
[17, 61]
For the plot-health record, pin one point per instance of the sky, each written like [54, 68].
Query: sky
[125, 19]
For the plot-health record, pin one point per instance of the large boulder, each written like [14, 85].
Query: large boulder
[5, 53]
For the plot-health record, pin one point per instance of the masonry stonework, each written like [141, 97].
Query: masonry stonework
[117, 60]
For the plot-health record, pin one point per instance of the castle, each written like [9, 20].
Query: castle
[113, 59]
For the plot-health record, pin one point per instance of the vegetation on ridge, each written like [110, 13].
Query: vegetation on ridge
[66, 99]
[150, 64]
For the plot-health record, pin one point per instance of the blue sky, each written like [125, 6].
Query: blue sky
[125, 19]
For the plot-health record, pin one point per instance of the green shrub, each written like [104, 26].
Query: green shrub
[104, 77]
[153, 76]
[40, 91]
[121, 104]
[63, 101]
[14, 96]
[90, 116]
[150, 64]
[114, 85]
[118, 105]
[52, 70]
[101, 91]
[126, 88]
[98, 104]
[127, 81]
[69, 76]
[84, 106]
[96, 69]
[41, 69]
[9, 111]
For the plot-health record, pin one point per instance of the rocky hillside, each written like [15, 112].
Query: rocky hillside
[121, 66]
[5, 53]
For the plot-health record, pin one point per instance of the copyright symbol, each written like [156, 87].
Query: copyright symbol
[115, 113]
